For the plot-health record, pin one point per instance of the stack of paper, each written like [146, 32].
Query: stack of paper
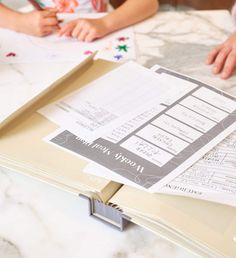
[145, 128]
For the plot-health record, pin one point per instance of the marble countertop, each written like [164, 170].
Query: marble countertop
[39, 221]
[182, 40]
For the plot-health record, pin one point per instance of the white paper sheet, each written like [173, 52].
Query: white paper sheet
[212, 178]
[95, 109]
[20, 48]
[97, 170]
[152, 152]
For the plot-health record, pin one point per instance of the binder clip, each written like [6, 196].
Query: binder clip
[108, 213]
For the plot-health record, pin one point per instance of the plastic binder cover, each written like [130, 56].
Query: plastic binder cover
[206, 228]
[23, 150]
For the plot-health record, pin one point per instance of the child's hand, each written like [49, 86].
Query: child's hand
[39, 23]
[223, 57]
[85, 29]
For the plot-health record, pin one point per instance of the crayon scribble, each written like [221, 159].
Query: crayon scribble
[118, 57]
[122, 38]
[88, 52]
[11, 54]
[122, 48]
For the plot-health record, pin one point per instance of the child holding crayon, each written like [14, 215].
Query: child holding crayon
[44, 21]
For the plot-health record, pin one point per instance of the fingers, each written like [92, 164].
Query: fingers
[53, 29]
[50, 21]
[49, 12]
[212, 55]
[229, 66]
[223, 59]
[47, 31]
[220, 59]
[49, 26]
[67, 29]
[82, 30]
[90, 37]
[77, 30]
[83, 34]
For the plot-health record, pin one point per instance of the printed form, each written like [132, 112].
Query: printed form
[97, 107]
[212, 178]
[155, 146]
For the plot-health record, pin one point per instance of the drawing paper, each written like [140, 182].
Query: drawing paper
[20, 48]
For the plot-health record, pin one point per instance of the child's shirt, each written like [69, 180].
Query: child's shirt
[71, 6]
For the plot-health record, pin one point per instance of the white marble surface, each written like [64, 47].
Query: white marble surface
[21, 82]
[39, 221]
[182, 40]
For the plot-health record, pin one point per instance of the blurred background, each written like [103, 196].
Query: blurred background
[15, 3]
[196, 4]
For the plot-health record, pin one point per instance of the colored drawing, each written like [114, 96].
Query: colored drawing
[88, 52]
[118, 57]
[11, 54]
[122, 38]
[122, 48]
[61, 49]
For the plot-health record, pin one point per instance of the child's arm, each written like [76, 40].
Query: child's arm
[131, 12]
[223, 57]
[37, 23]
